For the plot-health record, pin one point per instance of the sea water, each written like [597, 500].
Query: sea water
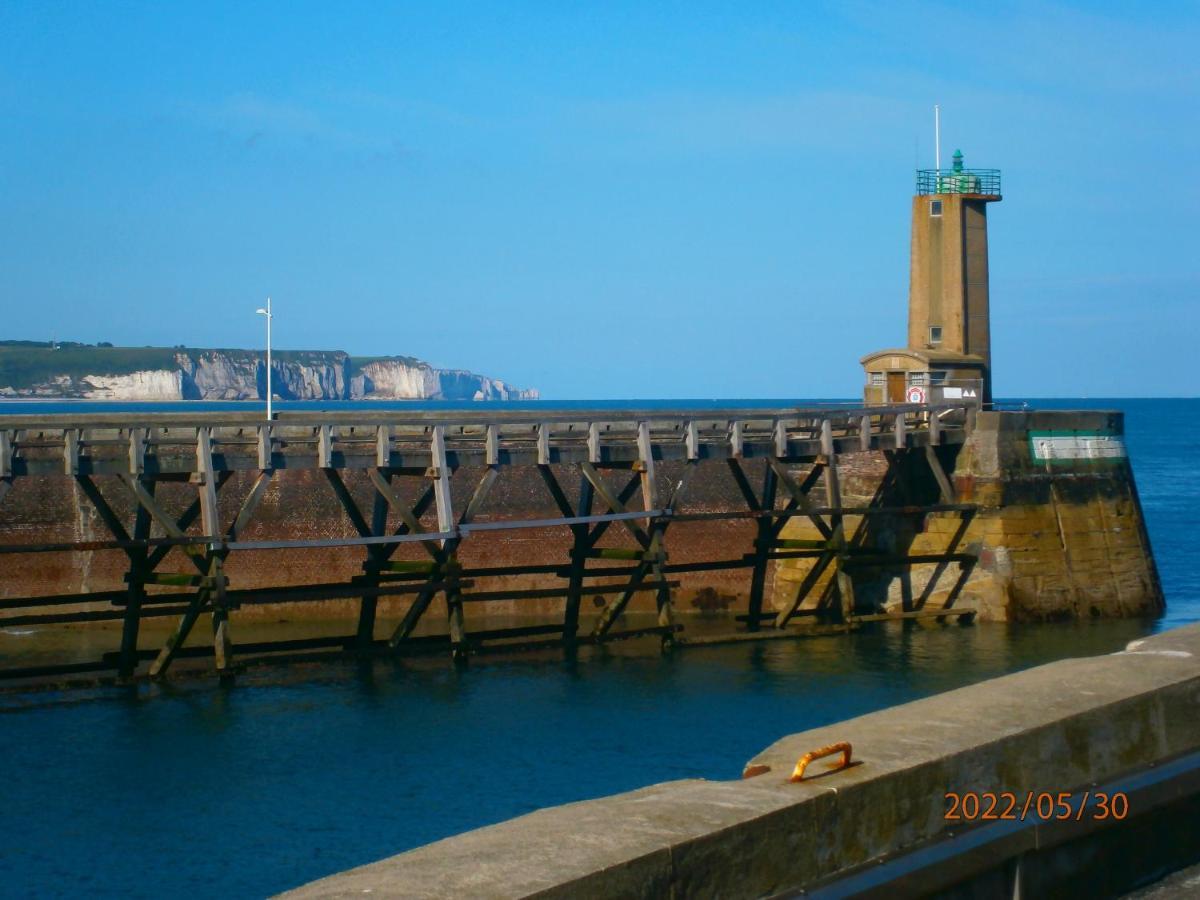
[295, 773]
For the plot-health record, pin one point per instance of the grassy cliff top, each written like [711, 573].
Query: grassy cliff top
[24, 364]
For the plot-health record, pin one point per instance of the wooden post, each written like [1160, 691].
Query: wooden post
[666, 612]
[593, 442]
[692, 440]
[492, 445]
[265, 448]
[207, 484]
[935, 428]
[781, 439]
[901, 432]
[324, 447]
[71, 451]
[646, 459]
[827, 438]
[137, 450]
[211, 524]
[762, 547]
[369, 602]
[136, 591]
[579, 548]
[445, 515]
[735, 439]
[864, 433]
[7, 439]
[837, 542]
[543, 444]
[383, 450]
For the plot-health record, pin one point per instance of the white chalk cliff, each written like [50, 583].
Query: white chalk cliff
[241, 375]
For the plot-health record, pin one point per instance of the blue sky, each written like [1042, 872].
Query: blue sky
[608, 200]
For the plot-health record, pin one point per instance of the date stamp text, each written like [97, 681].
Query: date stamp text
[985, 806]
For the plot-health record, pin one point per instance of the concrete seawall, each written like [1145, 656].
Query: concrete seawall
[1064, 727]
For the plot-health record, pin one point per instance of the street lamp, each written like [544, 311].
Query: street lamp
[267, 312]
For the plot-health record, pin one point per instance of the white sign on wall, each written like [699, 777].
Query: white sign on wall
[1048, 446]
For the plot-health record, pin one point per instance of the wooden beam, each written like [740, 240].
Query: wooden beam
[945, 488]
[800, 496]
[257, 491]
[185, 521]
[383, 486]
[613, 502]
[107, 516]
[624, 496]
[739, 476]
[445, 564]
[802, 590]
[348, 503]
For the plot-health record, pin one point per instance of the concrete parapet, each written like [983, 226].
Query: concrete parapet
[1060, 727]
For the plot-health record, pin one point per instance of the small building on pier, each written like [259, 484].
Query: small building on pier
[948, 355]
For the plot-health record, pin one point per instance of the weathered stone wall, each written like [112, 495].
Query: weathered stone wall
[1055, 539]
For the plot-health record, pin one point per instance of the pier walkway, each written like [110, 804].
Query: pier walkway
[408, 463]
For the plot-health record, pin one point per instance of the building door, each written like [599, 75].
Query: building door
[895, 387]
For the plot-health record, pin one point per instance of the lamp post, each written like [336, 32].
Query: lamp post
[267, 312]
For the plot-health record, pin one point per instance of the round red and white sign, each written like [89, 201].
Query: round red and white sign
[916, 394]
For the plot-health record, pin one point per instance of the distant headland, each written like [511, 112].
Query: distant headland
[70, 370]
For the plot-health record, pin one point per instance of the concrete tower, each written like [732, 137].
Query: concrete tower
[949, 353]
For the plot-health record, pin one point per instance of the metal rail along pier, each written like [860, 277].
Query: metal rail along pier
[160, 484]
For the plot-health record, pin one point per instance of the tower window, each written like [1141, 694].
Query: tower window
[935, 207]
[876, 378]
[938, 376]
[935, 334]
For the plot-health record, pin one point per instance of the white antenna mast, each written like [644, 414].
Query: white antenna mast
[937, 137]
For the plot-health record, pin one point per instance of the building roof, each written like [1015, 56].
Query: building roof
[929, 357]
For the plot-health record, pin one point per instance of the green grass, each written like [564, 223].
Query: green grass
[24, 364]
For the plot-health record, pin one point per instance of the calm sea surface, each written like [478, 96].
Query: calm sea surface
[293, 774]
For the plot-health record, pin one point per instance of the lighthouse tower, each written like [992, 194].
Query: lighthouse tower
[949, 350]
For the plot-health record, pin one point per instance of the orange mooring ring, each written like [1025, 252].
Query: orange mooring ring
[842, 747]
